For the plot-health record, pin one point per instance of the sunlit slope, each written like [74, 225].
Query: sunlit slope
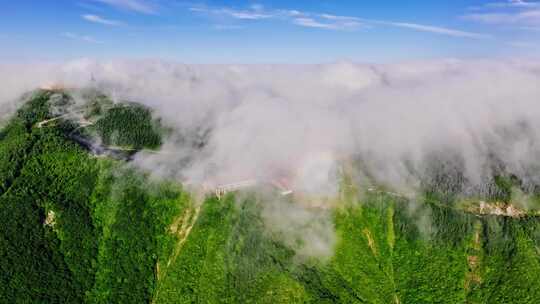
[82, 228]
[75, 228]
[382, 256]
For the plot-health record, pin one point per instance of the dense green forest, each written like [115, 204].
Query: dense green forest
[128, 125]
[75, 228]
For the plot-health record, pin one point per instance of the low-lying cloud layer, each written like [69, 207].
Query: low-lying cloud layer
[263, 121]
[300, 123]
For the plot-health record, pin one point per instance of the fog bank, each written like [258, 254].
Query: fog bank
[301, 123]
[259, 121]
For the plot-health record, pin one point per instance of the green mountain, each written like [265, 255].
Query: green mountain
[79, 225]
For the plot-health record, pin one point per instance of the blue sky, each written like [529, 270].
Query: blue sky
[268, 31]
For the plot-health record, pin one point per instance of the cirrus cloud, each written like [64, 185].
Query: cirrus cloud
[138, 6]
[325, 21]
[514, 12]
[101, 20]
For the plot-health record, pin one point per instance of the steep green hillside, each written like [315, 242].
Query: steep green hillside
[77, 228]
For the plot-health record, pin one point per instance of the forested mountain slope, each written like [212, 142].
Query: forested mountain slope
[77, 227]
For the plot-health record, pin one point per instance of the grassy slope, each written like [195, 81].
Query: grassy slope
[133, 223]
[382, 256]
[228, 258]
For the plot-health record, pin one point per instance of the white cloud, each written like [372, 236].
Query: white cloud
[101, 20]
[251, 14]
[437, 30]
[84, 38]
[339, 18]
[299, 121]
[520, 4]
[139, 6]
[292, 13]
[328, 21]
[528, 17]
[309, 22]
[340, 25]
[348, 22]
[516, 13]
[266, 118]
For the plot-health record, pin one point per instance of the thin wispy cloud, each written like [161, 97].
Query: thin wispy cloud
[339, 18]
[310, 22]
[258, 12]
[529, 17]
[516, 13]
[518, 4]
[328, 21]
[83, 38]
[340, 25]
[437, 30]
[139, 6]
[101, 20]
[251, 14]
